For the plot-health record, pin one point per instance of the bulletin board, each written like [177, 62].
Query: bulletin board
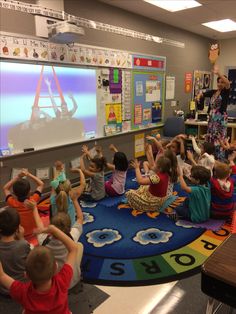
[148, 98]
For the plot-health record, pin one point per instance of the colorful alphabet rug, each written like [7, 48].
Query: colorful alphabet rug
[123, 247]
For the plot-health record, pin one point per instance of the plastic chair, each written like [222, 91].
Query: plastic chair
[173, 126]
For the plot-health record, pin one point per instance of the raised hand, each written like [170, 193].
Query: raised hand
[150, 138]
[216, 70]
[85, 149]
[30, 204]
[135, 163]
[24, 173]
[189, 155]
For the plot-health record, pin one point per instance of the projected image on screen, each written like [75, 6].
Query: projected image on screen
[44, 106]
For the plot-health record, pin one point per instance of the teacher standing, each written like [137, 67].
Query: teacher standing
[217, 123]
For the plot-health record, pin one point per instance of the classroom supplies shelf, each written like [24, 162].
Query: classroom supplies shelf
[199, 128]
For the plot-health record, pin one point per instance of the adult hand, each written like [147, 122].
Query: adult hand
[215, 70]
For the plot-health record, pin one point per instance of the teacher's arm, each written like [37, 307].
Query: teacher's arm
[221, 76]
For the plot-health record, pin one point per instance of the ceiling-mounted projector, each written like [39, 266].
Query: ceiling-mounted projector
[64, 33]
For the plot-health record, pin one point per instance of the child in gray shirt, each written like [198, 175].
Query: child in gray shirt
[13, 248]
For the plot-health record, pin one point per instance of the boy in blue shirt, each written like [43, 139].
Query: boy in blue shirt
[197, 206]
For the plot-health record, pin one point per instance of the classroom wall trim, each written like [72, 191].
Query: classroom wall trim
[30, 48]
[83, 22]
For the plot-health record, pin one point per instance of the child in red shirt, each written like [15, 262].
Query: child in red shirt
[21, 189]
[222, 189]
[45, 292]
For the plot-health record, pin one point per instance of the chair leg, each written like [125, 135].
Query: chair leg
[210, 306]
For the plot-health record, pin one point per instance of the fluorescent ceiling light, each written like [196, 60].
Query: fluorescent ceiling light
[222, 25]
[174, 5]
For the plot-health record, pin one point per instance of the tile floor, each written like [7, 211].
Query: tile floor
[179, 297]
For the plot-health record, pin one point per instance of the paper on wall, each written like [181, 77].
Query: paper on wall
[43, 173]
[170, 87]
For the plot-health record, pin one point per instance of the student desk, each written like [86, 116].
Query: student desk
[198, 128]
[219, 275]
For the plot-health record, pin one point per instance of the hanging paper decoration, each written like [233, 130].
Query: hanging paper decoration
[214, 52]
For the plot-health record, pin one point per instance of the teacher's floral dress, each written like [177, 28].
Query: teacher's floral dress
[217, 124]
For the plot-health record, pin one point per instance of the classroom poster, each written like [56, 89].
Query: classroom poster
[139, 88]
[126, 126]
[113, 114]
[170, 87]
[147, 114]
[138, 114]
[156, 112]
[139, 148]
[201, 82]
[188, 83]
[153, 91]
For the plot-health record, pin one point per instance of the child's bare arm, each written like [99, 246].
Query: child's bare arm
[86, 152]
[182, 148]
[190, 158]
[141, 180]
[33, 206]
[5, 280]
[82, 166]
[110, 166]
[195, 146]
[113, 148]
[79, 213]
[182, 182]
[155, 141]
[39, 182]
[149, 155]
[82, 184]
[7, 187]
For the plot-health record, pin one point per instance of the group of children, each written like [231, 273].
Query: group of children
[39, 277]
[209, 183]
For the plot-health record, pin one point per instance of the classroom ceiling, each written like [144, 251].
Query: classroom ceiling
[190, 19]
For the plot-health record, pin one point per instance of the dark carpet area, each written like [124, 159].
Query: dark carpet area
[83, 299]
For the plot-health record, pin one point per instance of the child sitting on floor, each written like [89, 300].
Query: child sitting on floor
[21, 189]
[177, 146]
[222, 188]
[62, 196]
[205, 153]
[63, 222]
[14, 249]
[59, 171]
[96, 190]
[160, 146]
[153, 191]
[197, 206]
[116, 185]
[45, 292]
